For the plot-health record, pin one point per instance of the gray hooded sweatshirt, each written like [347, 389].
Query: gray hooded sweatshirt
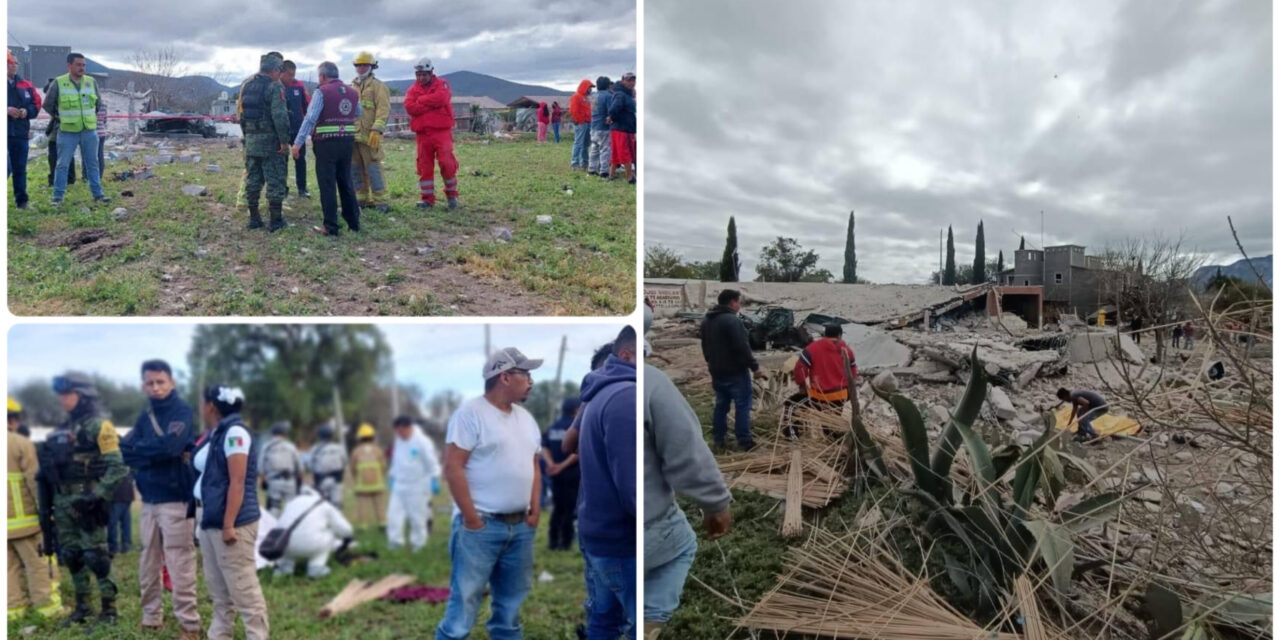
[676, 460]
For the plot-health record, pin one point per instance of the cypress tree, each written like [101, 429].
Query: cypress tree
[979, 257]
[729, 263]
[1000, 263]
[949, 272]
[850, 255]
[1022, 245]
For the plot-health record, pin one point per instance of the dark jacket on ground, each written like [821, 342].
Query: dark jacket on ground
[22, 95]
[607, 455]
[724, 344]
[622, 110]
[164, 473]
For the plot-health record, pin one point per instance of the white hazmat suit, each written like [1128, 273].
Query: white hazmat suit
[413, 466]
[320, 533]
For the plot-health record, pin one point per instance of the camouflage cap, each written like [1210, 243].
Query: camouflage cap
[75, 381]
[269, 62]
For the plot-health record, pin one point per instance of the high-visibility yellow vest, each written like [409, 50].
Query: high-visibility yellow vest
[370, 475]
[77, 106]
[23, 520]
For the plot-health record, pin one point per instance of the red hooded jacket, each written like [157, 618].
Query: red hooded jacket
[579, 106]
[430, 108]
[544, 113]
[556, 112]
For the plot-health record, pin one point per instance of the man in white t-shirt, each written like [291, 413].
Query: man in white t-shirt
[491, 464]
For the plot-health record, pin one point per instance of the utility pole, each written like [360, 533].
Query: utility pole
[939, 256]
[339, 426]
[486, 342]
[395, 391]
[558, 395]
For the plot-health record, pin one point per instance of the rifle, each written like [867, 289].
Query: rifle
[46, 482]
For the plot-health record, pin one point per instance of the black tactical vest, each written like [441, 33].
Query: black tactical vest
[253, 105]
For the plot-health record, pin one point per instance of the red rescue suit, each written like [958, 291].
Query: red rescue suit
[430, 109]
[820, 369]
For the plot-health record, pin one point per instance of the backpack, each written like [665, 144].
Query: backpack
[277, 540]
[329, 458]
[278, 461]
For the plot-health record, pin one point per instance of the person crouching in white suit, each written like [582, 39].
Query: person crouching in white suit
[321, 532]
[413, 467]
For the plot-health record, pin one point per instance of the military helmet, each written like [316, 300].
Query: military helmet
[14, 405]
[268, 62]
[364, 57]
[325, 432]
[280, 428]
[365, 431]
[75, 381]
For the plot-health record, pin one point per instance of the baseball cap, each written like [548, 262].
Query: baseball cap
[628, 76]
[504, 360]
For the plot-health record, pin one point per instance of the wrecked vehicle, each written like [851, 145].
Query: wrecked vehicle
[188, 123]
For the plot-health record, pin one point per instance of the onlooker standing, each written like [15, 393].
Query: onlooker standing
[562, 468]
[544, 121]
[622, 126]
[1177, 335]
[580, 112]
[1189, 333]
[600, 154]
[51, 132]
[429, 103]
[24, 104]
[102, 147]
[1135, 326]
[229, 522]
[556, 115]
[29, 579]
[159, 449]
[492, 468]
[119, 524]
[607, 445]
[331, 121]
[676, 460]
[74, 99]
[297, 101]
[730, 362]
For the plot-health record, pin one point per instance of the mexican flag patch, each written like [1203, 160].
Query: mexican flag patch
[234, 441]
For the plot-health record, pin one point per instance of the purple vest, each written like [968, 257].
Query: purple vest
[338, 114]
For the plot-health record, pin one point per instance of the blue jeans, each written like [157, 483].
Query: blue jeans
[67, 143]
[613, 599]
[499, 555]
[664, 583]
[19, 149]
[119, 528]
[581, 143]
[735, 389]
[1085, 422]
[555, 129]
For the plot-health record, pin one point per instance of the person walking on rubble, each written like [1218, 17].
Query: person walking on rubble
[731, 364]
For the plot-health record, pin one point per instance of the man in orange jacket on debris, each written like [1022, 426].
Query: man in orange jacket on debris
[429, 103]
[820, 369]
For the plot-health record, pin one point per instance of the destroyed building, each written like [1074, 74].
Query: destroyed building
[1069, 277]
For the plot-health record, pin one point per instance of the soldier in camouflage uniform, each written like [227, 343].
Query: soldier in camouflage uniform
[81, 464]
[264, 119]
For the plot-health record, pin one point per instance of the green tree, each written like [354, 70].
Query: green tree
[821, 275]
[850, 256]
[290, 372]
[705, 270]
[662, 262]
[543, 402]
[1022, 243]
[949, 271]
[784, 260]
[443, 403]
[730, 265]
[979, 258]
[1000, 262]
[39, 403]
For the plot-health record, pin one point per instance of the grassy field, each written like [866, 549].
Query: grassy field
[174, 254]
[552, 610]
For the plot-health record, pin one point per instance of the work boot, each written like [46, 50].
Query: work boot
[255, 218]
[277, 218]
[108, 613]
[383, 208]
[424, 205]
[304, 194]
[453, 203]
[80, 614]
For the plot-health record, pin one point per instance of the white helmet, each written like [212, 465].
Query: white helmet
[424, 64]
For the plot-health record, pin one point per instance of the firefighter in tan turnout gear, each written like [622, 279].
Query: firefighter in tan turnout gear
[369, 472]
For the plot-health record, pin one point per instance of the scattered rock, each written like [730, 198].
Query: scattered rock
[166, 278]
[163, 158]
[1025, 438]
[189, 158]
[294, 291]
[1183, 456]
[1001, 404]
[120, 213]
[194, 190]
[213, 168]
[424, 251]
[503, 234]
[544, 219]
[939, 414]
[1224, 490]
[886, 382]
[200, 253]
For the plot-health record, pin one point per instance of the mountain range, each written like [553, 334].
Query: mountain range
[199, 89]
[1238, 269]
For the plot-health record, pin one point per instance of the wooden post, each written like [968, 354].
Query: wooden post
[792, 522]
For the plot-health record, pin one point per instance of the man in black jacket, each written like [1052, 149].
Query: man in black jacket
[729, 359]
[24, 105]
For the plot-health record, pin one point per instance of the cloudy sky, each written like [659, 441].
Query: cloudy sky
[433, 357]
[550, 42]
[1113, 118]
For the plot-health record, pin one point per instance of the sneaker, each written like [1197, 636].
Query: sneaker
[304, 194]
[56, 202]
[424, 205]
[22, 205]
[453, 203]
[102, 199]
[383, 208]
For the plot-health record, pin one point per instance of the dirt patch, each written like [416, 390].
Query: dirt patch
[87, 245]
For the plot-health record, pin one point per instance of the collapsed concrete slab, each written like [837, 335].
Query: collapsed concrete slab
[874, 349]
[1094, 346]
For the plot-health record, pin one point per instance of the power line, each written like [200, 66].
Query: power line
[15, 39]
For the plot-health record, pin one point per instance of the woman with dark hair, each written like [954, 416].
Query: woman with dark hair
[544, 120]
[229, 520]
[556, 115]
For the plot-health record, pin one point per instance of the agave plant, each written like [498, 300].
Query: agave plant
[998, 535]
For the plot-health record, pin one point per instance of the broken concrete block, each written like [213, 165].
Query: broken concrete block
[503, 234]
[544, 219]
[194, 190]
[120, 213]
[939, 414]
[1001, 404]
[163, 158]
[1224, 490]
[1131, 351]
[886, 382]
[213, 168]
[189, 158]
[1025, 438]
[1028, 375]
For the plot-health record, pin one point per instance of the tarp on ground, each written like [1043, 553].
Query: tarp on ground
[1105, 425]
